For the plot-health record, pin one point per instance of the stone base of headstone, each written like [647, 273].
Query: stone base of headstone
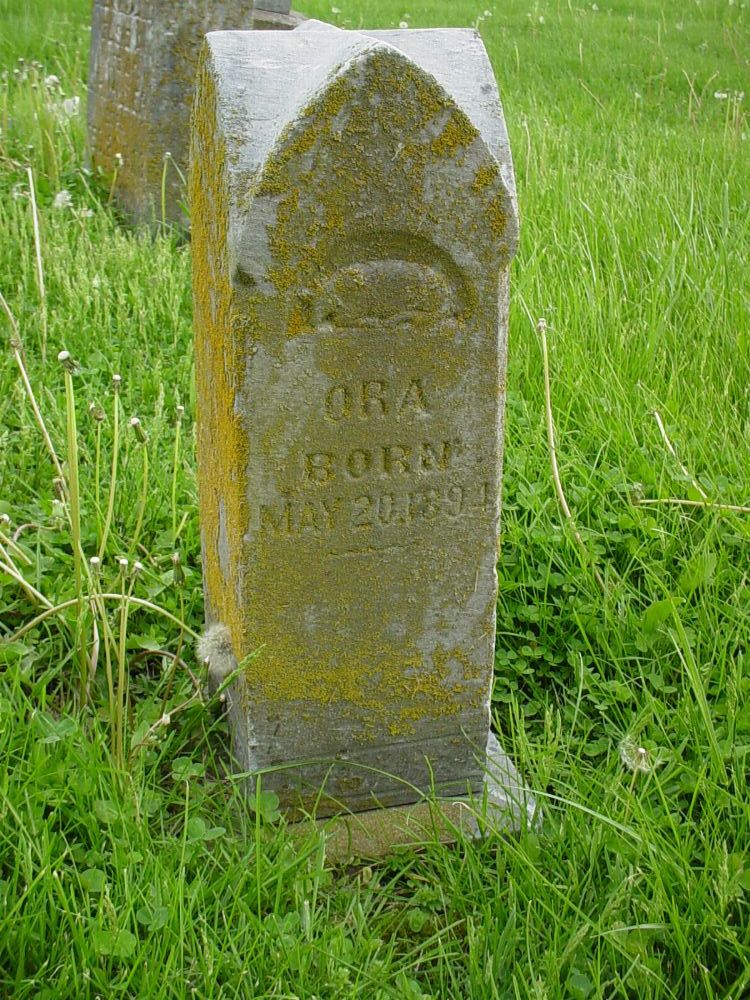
[505, 806]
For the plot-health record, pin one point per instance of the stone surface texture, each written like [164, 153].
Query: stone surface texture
[141, 72]
[353, 224]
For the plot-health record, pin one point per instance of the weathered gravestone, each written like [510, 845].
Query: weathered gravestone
[353, 224]
[141, 75]
[274, 14]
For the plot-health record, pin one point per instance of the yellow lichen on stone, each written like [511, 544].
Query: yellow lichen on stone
[222, 444]
[458, 133]
[485, 176]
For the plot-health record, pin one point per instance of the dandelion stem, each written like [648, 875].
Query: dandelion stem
[137, 602]
[705, 504]
[121, 689]
[39, 265]
[164, 196]
[175, 467]
[673, 452]
[16, 347]
[113, 185]
[14, 548]
[12, 572]
[109, 645]
[74, 508]
[141, 500]
[113, 474]
[542, 329]
[97, 476]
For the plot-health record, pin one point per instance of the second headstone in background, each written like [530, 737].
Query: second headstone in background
[141, 76]
[274, 14]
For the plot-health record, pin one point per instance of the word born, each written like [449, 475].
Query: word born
[388, 461]
[294, 517]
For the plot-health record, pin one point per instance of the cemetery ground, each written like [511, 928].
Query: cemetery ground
[130, 863]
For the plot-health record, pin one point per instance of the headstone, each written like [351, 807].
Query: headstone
[271, 14]
[354, 221]
[141, 74]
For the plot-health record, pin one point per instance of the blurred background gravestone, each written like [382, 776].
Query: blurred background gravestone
[141, 74]
[354, 220]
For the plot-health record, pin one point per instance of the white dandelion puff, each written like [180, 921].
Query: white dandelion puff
[214, 648]
[71, 107]
[634, 757]
[62, 200]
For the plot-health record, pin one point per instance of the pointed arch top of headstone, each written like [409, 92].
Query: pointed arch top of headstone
[284, 74]
[458, 60]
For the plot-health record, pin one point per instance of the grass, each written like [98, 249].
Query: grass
[134, 867]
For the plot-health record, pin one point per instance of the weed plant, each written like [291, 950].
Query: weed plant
[131, 864]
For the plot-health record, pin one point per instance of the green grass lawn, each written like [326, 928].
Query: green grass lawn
[631, 141]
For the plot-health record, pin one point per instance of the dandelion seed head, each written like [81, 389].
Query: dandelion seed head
[58, 512]
[71, 106]
[215, 649]
[62, 200]
[96, 412]
[68, 363]
[138, 430]
[634, 757]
